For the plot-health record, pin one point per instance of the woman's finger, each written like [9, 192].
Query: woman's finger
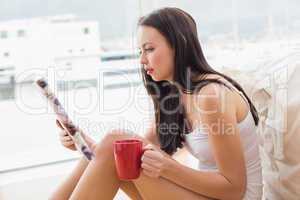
[147, 167]
[149, 161]
[67, 144]
[149, 173]
[146, 172]
[66, 139]
[63, 133]
[149, 147]
[154, 151]
[153, 154]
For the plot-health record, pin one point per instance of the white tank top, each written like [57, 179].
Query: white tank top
[197, 144]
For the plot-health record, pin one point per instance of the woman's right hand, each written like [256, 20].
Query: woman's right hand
[67, 141]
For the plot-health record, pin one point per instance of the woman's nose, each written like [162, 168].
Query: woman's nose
[143, 59]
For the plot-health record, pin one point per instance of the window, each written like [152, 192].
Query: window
[6, 54]
[20, 33]
[118, 56]
[3, 34]
[86, 30]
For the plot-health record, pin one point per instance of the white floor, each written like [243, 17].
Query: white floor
[37, 183]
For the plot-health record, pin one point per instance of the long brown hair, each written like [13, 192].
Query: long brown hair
[180, 30]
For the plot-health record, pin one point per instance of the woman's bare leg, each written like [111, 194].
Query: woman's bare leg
[160, 188]
[129, 188]
[100, 180]
[64, 191]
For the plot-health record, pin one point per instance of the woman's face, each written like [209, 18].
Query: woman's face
[156, 56]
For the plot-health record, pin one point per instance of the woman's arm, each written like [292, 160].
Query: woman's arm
[219, 116]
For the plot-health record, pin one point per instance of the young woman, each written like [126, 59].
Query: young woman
[195, 107]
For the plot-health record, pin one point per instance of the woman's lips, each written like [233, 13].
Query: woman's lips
[150, 71]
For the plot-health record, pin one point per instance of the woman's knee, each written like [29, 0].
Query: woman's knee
[106, 143]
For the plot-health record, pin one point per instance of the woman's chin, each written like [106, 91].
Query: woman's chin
[158, 78]
[155, 78]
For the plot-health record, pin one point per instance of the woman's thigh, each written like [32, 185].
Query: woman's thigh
[161, 188]
[129, 188]
[126, 186]
[148, 188]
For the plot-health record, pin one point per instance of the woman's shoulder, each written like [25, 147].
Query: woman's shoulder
[214, 95]
[212, 88]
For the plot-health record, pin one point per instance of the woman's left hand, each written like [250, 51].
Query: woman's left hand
[154, 161]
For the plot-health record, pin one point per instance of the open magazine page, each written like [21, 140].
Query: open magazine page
[62, 116]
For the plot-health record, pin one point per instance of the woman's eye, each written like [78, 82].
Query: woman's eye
[145, 50]
[149, 49]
